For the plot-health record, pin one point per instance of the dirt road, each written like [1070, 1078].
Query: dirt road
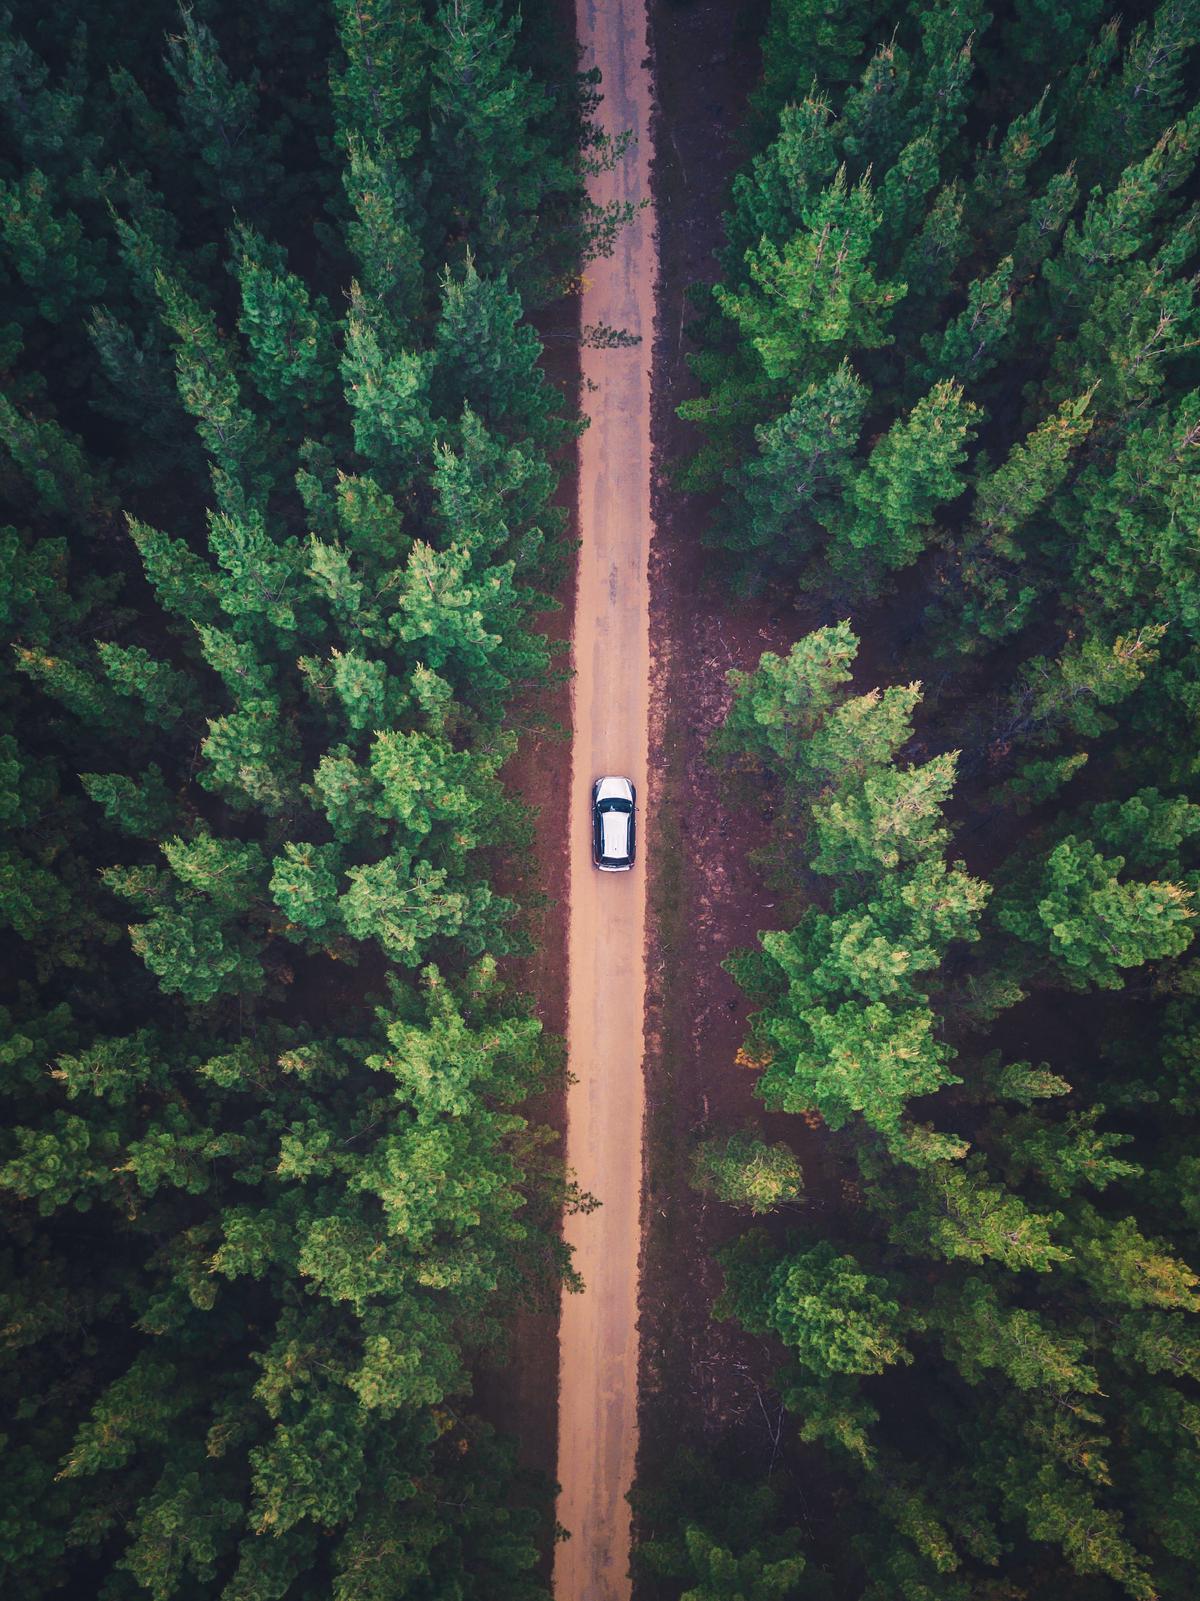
[597, 1431]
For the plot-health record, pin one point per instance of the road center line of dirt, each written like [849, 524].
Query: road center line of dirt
[597, 1427]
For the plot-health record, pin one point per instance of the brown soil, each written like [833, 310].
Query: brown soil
[700, 1382]
[703, 1383]
[590, 934]
[598, 1341]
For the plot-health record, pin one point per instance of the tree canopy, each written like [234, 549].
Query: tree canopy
[945, 390]
[278, 467]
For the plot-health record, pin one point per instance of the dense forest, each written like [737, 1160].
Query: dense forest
[950, 408]
[279, 471]
[282, 473]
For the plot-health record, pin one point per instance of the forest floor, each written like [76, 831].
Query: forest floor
[703, 1384]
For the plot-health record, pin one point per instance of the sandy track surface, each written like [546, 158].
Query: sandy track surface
[597, 1431]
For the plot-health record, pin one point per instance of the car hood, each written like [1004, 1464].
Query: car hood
[614, 789]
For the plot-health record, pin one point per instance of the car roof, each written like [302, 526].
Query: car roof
[615, 834]
[614, 789]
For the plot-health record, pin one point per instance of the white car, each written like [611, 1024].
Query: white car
[614, 803]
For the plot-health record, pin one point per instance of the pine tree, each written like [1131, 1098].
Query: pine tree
[1048, 213]
[1068, 1155]
[807, 39]
[53, 464]
[209, 388]
[973, 343]
[1054, 699]
[784, 496]
[904, 190]
[932, 255]
[997, 196]
[141, 392]
[959, 1214]
[387, 392]
[745, 1171]
[833, 1316]
[406, 906]
[896, 818]
[291, 353]
[220, 117]
[770, 195]
[911, 471]
[166, 694]
[1077, 911]
[779, 705]
[75, 685]
[1129, 515]
[991, 553]
[382, 88]
[193, 951]
[877, 114]
[494, 497]
[486, 358]
[816, 296]
[982, 1333]
[142, 807]
[866, 1058]
[386, 236]
[47, 248]
[251, 757]
[719, 1575]
[495, 166]
[946, 64]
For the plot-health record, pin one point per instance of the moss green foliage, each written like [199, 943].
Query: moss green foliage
[744, 1171]
[1008, 1231]
[278, 470]
[980, 973]
[734, 1546]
